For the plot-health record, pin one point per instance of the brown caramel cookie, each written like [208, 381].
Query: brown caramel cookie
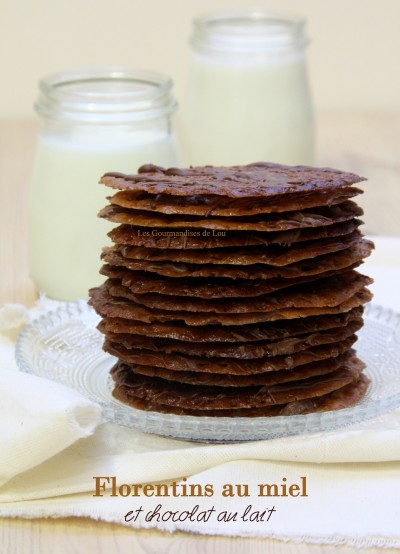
[329, 292]
[107, 305]
[203, 397]
[313, 217]
[270, 331]
[181, 238]
[233, 366]
[345, 397]
[275, 255]
[235, 350]
[225, 380]
[213, 205]
[320, 264]
[256, 180]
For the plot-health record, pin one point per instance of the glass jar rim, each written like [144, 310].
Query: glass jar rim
[105, 94]
[245, 31]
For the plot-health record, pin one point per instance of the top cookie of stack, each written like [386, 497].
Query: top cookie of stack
[232, 291]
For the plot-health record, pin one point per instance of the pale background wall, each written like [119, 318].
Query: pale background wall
[354, 56]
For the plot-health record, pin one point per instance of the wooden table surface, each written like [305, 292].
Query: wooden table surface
[368, 144]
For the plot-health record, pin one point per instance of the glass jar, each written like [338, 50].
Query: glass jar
[91, 122]
[248, 97]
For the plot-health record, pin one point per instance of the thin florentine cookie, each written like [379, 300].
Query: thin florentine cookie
[314, 266]
[183, 238]
[234, 350]
[144, 282]
[231, 366]
[206, 205]
[205, 397]
[312, 217]
[271, 254]
[329, 292]
[270, 331]
[225, 380]
[345, 397]
[256, 180]
[107, 305]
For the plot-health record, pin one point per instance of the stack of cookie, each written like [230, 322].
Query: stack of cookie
[233, 291]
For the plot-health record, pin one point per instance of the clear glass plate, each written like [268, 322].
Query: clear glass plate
[65, 345]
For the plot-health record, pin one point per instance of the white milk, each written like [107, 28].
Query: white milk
[248, 98]
[92, 121]
[66, 236]
[241, 113]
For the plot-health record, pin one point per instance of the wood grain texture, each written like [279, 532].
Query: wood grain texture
[366, 144]
[80, 536]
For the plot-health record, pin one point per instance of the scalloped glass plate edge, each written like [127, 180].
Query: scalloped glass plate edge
[64, 345]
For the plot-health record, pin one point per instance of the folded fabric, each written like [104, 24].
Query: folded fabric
[345, 504]
[135, 457]
[39, 418]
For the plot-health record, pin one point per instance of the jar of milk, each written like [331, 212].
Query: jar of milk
[248, 97]
[91, 122]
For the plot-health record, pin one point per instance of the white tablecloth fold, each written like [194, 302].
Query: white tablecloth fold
[51, 452]
[39, 418]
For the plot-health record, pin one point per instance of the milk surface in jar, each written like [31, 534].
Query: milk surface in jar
[248, 97]
[91, 122]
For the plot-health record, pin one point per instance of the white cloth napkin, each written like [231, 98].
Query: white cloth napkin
[352, 476]
[39, 418]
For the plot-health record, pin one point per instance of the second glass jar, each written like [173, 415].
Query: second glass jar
[248, 96]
